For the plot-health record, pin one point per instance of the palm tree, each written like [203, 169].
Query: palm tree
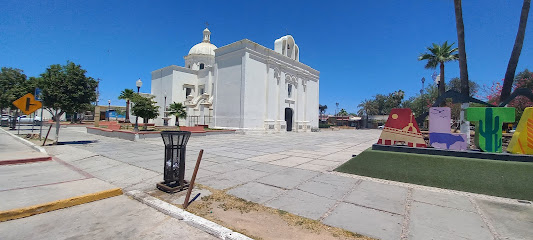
[463, 68]
[367, 107]
[178, 110]
[439, 55]
[127, 94]
[343, 112]
[515, 54]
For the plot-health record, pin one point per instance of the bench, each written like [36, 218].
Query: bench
[196, 129]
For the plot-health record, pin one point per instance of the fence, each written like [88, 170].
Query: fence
[198, 120]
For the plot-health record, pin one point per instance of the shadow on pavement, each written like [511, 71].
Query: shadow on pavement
[76, 142]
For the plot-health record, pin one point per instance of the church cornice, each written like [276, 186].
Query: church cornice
[176, 68]
[266, 54]
[283, 66]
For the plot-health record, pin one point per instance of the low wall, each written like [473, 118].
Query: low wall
[132, 136]
[455, 153]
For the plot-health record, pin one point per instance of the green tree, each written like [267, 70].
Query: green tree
[366, 108]
[65, 88]
[421, 103]
[12, 86]
[127, 94]
[393, 100]
[515, 54]
[144, 107]
[456, 84]
[178, 110]
[438, 55]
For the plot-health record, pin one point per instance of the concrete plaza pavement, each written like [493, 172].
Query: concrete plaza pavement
[292, 172]
[112, 218]
[12, 149]
[29, 185]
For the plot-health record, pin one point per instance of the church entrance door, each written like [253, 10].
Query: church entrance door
[288, 119]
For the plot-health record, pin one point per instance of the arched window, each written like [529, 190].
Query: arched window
[189, 66]
[202, 66]
[289, 90]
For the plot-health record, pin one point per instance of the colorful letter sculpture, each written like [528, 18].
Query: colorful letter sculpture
[401, 128]
[522, 141]
[489, 127]
[439, 130]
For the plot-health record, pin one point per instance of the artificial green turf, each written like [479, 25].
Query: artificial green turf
[497, 178]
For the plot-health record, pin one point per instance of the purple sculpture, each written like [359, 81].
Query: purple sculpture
[440, 135]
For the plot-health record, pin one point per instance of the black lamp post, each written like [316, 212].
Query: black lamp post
[422, 90]
[108, 109]
[165, 120]
[138, 83]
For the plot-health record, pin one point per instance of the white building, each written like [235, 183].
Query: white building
[242, 86]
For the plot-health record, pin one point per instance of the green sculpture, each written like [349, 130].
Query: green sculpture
[489, 126]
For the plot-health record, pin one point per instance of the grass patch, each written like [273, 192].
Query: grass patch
[497, 178]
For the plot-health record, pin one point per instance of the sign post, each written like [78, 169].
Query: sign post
[39, 97]
[27, 104]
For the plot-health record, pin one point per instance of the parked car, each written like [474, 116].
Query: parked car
[26, 119]
[381, 126]
[5, 120]
[6, 117]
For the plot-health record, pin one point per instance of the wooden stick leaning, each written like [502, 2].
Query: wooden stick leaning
[47, 134]
[191, 184]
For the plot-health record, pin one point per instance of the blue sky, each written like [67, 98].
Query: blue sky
[360, 48]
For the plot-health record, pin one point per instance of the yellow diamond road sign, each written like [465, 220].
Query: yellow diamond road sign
[27, 104]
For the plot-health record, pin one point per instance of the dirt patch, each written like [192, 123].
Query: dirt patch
[257, 221]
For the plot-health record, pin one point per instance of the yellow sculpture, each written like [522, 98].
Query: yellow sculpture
[522, 141]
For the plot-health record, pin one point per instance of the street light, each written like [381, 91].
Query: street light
[422, 90]
[108, 109]
[138, 83]
[165, 120]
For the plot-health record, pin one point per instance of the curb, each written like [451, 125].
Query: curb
[26, 160]
[38, 148]
[191, 219]
[59, 204]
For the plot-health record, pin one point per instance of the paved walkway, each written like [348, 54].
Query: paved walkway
[35, 183]
[292, 172]
[112, 218]
[12, 149]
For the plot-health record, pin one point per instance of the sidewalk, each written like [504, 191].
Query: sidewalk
[31, 178]
[52, 199]
[292, 172]
[13, 150]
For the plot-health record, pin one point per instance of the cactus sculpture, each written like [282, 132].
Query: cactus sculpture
[489, 126]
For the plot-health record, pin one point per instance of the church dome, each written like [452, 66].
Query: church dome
[205, 47]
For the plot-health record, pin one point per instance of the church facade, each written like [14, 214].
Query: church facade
[242, 86]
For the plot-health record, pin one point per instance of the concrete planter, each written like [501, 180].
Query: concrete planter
[133, 136]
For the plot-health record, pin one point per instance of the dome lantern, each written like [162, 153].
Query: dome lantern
[205, 47]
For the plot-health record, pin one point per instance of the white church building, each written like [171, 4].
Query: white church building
[242, 86]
